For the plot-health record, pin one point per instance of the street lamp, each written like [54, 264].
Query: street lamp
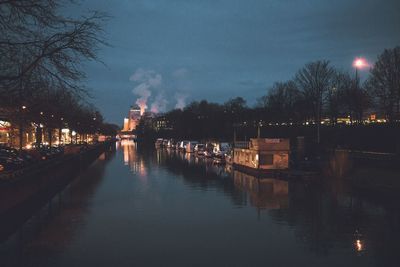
[360, 63]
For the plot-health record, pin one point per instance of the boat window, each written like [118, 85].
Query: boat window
[267, 159]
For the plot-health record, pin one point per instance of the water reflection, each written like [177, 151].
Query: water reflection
[263, 193]
[149, 207]
[327, 218]
[132, 159]
[52, 229]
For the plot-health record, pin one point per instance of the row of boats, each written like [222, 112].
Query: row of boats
[219, 151]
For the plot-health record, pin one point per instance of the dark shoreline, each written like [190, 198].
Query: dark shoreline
[22, 196]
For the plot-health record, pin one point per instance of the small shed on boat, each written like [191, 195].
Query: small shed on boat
[262, 154]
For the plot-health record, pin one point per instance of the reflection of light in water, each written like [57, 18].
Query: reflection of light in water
[359, 245]
[126, 154]
[142, 169]
[102, 156]
[136, 164]
[159, 151]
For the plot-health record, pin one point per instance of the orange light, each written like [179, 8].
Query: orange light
[359, 245]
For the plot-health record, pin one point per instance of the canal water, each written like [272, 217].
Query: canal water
[142, 207]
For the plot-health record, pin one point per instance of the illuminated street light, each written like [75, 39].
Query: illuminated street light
[360, 63]
[23, 107]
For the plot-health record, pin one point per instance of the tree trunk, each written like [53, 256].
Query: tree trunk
[38, 136]
[59, 136]
[21, 136]
[49, 132]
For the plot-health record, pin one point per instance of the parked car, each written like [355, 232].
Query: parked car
[9, 163]
[10, 159]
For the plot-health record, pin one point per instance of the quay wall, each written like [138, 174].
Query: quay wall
[22, 194]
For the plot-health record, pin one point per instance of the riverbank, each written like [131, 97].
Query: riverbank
[22, 193]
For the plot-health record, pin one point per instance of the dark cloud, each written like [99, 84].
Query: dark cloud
[217, 49]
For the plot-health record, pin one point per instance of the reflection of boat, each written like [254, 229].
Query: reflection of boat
[159, 143]
[219, 160]
[264, 193]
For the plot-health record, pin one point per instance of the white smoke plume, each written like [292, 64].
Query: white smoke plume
[159, 104]
[148, 79]
[180, 101]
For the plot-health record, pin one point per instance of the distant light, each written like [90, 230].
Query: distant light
[359, 245]
[41, 112]
[23, 107]
[360, 63]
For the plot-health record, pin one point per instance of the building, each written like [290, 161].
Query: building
[131, 123]
[161, 123]
[4, 131]
[134, 117]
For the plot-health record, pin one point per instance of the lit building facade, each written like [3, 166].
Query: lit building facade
[133, 119]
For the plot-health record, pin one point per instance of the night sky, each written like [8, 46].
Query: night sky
[176, 51]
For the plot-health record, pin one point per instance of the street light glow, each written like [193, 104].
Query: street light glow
[360, 63]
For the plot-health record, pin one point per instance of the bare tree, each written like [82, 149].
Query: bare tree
[283, 102]
[314, 80]
[384, 83]
[43, 50]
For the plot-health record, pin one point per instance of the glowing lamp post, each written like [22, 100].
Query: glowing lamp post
[360, 64]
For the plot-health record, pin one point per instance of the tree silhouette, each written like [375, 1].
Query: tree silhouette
[314, 80]
[384, 83]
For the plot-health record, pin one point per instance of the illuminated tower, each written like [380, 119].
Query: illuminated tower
[134, 117]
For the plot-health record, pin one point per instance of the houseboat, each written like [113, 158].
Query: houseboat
[262, 155]
[190, 146]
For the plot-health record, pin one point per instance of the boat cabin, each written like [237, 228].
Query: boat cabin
[262, 154]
